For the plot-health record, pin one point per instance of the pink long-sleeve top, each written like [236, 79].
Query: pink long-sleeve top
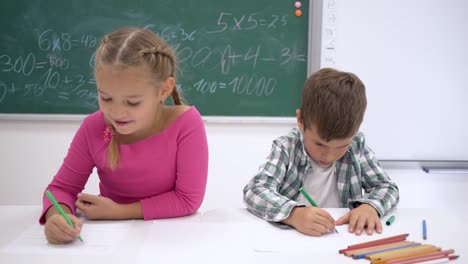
[166, 172]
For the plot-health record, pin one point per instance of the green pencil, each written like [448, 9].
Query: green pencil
[306, 195]
[60, 210]
[311, 201]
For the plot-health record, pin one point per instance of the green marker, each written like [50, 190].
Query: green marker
[306, 195]
[60, 210]
[390, 220]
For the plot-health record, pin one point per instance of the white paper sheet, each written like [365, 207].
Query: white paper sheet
[201, 242]
[99, 238]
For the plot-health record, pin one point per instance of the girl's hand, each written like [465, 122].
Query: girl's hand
[96, 207]
[312, 221]
[58, 231]
[363, 216]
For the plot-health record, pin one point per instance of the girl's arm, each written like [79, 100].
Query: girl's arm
[72, 175]
[191, 176]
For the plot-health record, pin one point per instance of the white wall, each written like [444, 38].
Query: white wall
[32, 151]
[413, 58]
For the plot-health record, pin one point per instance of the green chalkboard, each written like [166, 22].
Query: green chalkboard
[235, 58]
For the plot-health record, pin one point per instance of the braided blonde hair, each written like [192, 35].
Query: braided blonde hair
[129, 47]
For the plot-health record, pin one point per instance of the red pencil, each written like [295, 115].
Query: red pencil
[375, 242]
[352, 252]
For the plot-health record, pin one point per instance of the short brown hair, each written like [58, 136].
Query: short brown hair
[334, 102]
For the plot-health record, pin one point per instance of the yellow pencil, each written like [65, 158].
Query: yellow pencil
[400, 251]
[412, 254]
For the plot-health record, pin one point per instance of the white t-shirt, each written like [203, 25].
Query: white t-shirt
[321, 184]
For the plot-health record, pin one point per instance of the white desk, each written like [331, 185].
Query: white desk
[227, 236]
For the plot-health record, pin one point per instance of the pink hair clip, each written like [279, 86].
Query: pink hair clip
[108, 133]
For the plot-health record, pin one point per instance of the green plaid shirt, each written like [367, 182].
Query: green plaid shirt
[273, 192]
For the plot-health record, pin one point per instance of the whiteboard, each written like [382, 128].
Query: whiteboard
[413, 58]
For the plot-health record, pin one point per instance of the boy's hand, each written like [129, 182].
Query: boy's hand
[311, 221]
[96, 207]
[363, 216]
[58, 231]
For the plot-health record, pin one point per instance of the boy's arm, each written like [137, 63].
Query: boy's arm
[380, 191]
[261, 194]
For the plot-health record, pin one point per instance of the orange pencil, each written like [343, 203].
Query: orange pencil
[375, 242]
[402, 251]
[417, 251]
[413, 259]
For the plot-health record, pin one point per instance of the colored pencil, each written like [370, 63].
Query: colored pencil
[60, 210]
[411, 254]
[390, 220]
[402, 251]
[364, 255]
[378, 247]
[415, 259]
[375, 242]
[439, 261]
[416, 251]
[311, 201]
[424, 229]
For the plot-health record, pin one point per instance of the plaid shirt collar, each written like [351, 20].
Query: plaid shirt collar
[305, 158]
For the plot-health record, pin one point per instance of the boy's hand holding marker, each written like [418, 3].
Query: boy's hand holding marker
[311, 220]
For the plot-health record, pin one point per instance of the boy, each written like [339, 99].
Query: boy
[328, 157]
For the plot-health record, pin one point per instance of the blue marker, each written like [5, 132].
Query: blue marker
[424, 229]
